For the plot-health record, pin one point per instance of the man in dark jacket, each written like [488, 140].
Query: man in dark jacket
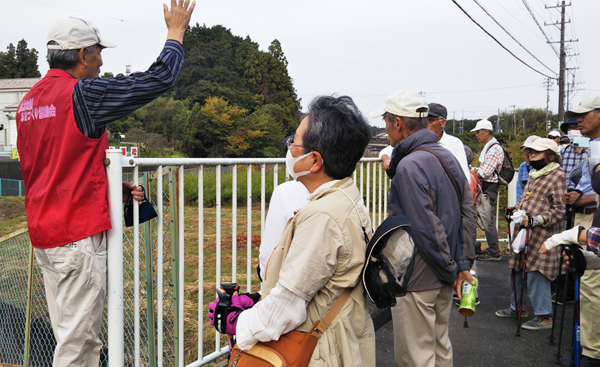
[438, 213]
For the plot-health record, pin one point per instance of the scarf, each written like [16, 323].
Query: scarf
[544, 171]
[485, 149]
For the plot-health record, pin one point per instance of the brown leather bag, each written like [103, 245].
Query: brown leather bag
[293, 349]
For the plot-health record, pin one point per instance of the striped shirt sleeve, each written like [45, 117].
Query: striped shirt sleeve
[97, 102]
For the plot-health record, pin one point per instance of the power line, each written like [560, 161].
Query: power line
[498, 42]
[541, 29]
[96, 14]
[511, 36]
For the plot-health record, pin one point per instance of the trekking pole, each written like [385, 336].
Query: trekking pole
[523, 282]
[576, 350]
[551, 337]
[562, 316]
[225, 294]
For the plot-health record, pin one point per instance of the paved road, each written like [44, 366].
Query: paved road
[489, 340]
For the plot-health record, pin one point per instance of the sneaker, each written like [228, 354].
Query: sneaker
[490, 257]
[538, 323]
[559, 300]
[510, 313]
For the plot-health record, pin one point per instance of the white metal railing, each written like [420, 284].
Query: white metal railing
[369, 177]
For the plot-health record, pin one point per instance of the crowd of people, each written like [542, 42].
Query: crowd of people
[317, 225]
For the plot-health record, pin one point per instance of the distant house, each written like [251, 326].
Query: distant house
[12, 92]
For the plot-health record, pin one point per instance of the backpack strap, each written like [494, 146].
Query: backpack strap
[450, 176]
[497, 172]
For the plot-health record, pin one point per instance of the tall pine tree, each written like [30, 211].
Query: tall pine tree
[20, 62]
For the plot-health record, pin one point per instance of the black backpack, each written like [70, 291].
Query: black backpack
[507, 172]
[388, 264]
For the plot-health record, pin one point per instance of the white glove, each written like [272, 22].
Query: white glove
[568, 237]
[518, 216]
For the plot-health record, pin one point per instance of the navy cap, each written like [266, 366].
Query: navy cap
[286, 139]
[436, 109]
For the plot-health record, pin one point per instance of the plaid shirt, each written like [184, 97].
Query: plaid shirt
[488, 170]
[593, 238]
[570, 159]
[545, 199]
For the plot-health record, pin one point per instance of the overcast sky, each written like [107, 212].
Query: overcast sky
[366, 49]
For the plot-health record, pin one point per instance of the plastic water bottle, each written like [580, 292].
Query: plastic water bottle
[469, 295]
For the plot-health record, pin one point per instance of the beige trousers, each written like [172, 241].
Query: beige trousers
[75, 282]
[589, 299]
[421, 328]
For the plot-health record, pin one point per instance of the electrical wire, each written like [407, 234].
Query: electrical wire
[541, 29]
[499, 43]
[511, 36]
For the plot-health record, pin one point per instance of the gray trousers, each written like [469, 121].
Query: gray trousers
[491, 233]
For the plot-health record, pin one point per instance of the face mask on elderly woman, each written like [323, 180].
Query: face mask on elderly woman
[539, 164]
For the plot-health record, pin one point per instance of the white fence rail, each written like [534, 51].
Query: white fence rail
[195, 269]
[177, 331]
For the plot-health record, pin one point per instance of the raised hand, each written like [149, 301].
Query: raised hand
[178, 18]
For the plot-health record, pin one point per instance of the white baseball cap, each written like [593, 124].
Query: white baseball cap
[586, 105]
[554, 133]
[404, 103]
[483, 125]
[542, 144]
[528, 141]
[74, 33]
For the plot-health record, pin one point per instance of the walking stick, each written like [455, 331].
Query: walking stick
[555, 311]
[576, 350]
[523, 283]
[562, 317]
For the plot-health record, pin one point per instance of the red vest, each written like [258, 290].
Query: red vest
[65, 179]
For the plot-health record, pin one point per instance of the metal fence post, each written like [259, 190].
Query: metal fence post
[114, 250]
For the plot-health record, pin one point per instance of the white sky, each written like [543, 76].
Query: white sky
[366, 49]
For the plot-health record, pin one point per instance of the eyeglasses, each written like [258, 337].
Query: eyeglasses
[290, 144]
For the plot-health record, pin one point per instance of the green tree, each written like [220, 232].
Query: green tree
[222, 65]
[19, 62]
[107, 74]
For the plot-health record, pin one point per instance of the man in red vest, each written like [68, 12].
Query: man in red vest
[61, 126]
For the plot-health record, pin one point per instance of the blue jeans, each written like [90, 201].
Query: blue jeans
[538, 288]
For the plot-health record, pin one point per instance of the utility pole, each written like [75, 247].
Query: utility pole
[498, 122]
[563, 57]
[514, 117]
[453, 120]
[548, 84]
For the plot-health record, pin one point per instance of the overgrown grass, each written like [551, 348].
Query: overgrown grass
[12, 214]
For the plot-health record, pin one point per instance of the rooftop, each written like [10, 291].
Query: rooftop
[23, 83]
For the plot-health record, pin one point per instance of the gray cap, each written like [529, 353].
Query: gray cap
[436, 109]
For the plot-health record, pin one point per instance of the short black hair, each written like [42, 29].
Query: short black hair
[339, 131]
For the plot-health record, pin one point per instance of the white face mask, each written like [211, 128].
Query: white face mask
[574, 134]
[290, 161]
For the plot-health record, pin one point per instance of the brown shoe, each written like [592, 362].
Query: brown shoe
[490, 257]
